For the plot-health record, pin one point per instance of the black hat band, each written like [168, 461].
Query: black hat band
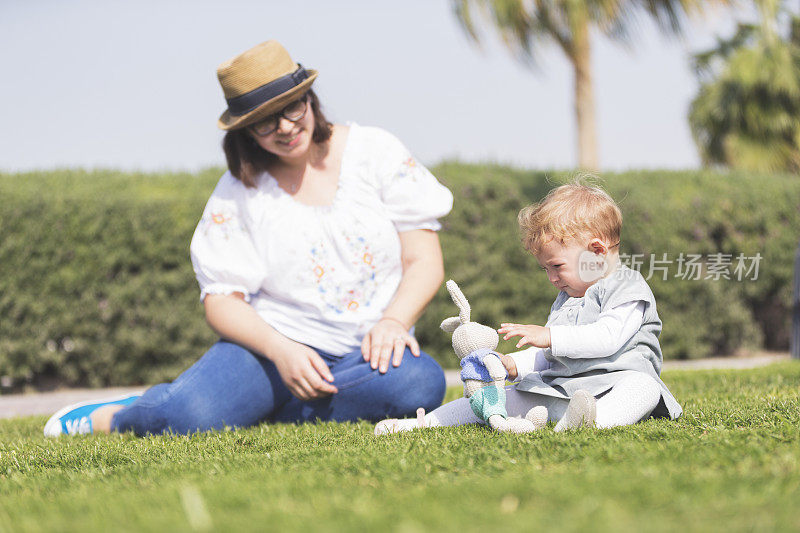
[248, 101]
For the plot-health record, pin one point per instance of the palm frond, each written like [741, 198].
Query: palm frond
[747, 112]
[703, 63]
[523, 24]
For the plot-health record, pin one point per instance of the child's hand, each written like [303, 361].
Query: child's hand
[511, 366]
[534, 335]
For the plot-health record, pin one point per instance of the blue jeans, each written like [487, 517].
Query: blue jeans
[231, 386]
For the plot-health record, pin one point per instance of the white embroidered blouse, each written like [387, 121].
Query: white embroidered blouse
[320, 275]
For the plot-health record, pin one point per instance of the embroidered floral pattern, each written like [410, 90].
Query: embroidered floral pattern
[408, 170]
[362, 268]
[220, 223]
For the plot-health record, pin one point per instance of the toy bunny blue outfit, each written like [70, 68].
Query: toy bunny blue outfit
[489, 400]
[472, 366]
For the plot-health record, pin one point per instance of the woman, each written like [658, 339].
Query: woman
[315, 255]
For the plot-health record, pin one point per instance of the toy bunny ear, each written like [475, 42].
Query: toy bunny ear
[450, 324]
[460, 300]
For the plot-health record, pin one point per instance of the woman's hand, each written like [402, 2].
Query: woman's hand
[302, 369]
[534, 335]
[304, 372]
[387, 340]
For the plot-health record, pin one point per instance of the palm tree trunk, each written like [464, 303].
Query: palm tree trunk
[584, 97]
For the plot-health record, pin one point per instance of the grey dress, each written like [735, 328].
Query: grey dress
[597, 375]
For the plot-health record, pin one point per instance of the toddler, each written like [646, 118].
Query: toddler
[597, 361]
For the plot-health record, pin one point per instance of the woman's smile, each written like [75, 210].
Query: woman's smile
[290, 141]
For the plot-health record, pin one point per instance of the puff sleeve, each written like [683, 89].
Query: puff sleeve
[223, 255]
[412, 196]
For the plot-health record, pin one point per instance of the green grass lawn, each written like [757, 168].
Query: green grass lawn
[732, 462]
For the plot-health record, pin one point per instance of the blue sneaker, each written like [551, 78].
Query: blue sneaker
[74, 419]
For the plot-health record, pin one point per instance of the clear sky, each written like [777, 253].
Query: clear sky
[132, 84]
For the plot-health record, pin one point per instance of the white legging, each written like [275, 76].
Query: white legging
[628, 402]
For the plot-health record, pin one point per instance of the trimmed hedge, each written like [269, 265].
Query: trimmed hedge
[97, 288]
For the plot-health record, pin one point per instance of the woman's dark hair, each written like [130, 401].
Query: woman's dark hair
[247, 160]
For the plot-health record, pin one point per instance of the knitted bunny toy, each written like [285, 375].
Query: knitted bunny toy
[482, 371]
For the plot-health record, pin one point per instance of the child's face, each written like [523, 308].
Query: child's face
[561, 263]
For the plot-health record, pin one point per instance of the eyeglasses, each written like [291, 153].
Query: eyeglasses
[293, 112]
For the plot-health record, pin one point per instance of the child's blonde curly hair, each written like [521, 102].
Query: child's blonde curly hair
[573, 211]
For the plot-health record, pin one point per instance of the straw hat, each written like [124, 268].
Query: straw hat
[259, 82]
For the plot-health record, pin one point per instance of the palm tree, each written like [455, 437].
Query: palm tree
[524, 24]
[747, 112]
